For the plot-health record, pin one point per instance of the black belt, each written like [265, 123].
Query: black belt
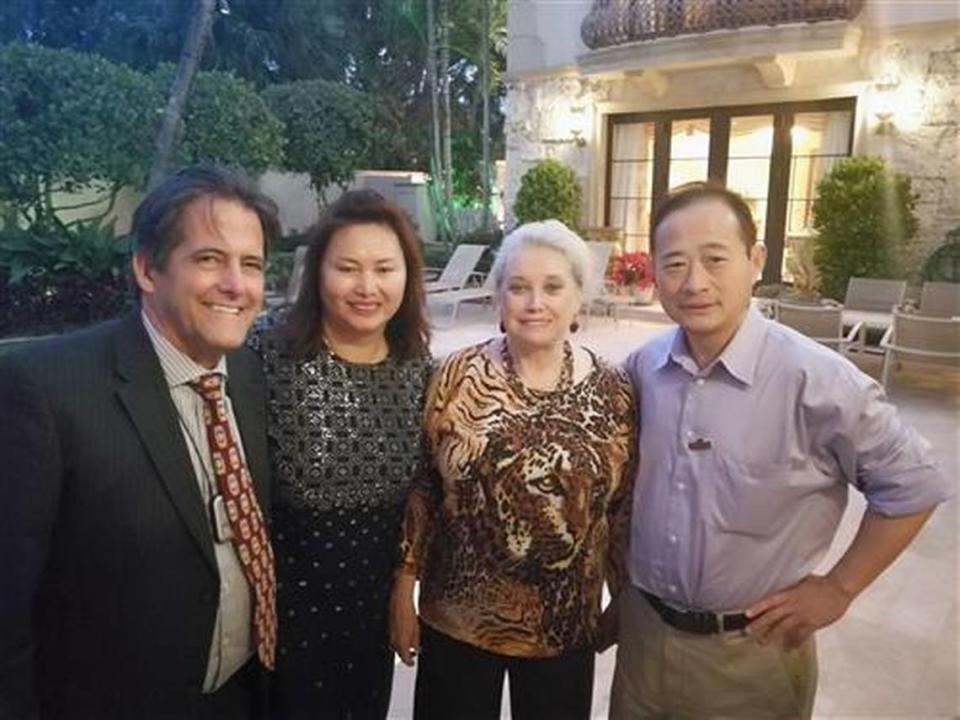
[696, 622]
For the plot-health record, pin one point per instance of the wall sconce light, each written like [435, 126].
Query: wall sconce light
[569, 127]
[884, 122]
[576, 122]
[885, 101]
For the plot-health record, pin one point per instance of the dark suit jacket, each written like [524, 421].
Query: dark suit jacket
[108, 582]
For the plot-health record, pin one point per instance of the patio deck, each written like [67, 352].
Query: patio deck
[895, 653]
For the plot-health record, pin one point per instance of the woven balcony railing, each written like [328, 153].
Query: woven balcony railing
[615, 22]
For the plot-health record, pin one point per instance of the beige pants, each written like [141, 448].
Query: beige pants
[665, 673]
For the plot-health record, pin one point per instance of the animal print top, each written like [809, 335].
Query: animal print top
[525, 509]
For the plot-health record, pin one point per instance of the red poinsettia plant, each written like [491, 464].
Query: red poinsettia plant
[632, 269]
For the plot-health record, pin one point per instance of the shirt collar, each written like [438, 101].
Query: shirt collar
[178, 368]
[739, 357]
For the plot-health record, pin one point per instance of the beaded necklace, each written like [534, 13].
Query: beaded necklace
[564, 382]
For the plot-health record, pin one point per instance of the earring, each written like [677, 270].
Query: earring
[574, 326]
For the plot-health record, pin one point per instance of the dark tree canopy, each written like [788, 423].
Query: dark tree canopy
[375, 46]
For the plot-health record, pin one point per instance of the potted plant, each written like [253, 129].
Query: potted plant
[632, 273]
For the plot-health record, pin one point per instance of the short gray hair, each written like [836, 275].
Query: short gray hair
[551, 234]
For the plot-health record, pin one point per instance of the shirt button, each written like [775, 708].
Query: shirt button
[672, 588]
[699, 382]
[681, 486]
[672, 538]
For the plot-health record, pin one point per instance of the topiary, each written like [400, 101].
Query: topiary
[549, 190]
[865, 222]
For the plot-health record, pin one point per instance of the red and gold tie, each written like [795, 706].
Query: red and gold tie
[246, 519]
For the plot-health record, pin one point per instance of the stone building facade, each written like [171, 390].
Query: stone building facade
[768, 102]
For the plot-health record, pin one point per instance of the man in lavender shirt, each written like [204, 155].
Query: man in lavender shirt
[751, 435]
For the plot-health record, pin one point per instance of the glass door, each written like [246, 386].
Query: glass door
[748, 163]
[631, 182]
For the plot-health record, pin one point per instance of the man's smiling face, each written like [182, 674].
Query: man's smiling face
[210, 288]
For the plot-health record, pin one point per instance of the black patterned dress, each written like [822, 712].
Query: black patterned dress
[345, 446]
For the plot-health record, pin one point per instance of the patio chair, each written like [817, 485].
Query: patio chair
[459, 268]
[870, 301]
[940, 299]
[823, 323]
[873, 295]
[453, 298]
[920, 339]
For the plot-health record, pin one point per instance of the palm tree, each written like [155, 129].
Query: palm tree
[200, 24]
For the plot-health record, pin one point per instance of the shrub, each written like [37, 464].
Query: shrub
[549, 190]
[51, 280]
[865, 222]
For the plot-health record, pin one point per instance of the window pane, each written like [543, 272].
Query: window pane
[748, 166]
[633, 141]
[689, 150]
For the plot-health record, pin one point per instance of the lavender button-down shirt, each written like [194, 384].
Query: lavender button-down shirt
[744, 465]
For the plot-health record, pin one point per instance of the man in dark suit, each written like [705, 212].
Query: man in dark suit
[127, 589]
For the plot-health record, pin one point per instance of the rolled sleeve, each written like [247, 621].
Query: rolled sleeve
[892, 464]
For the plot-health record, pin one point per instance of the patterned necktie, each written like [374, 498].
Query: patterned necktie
[243, 511]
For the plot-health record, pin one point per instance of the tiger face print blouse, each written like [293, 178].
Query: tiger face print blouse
[524, 510]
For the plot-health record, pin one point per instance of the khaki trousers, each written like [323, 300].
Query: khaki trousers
[662, 672]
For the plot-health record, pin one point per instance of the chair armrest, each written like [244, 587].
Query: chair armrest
[887, 337]
[854, 332]
[431, 273]
[475, 279]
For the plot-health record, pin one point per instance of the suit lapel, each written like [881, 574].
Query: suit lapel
[146, 397]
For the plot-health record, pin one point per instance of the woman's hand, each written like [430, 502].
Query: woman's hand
[404, 625]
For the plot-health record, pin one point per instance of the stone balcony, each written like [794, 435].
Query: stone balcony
[649, 37]
[616, 22]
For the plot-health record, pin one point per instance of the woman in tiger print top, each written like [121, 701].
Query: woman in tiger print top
[524, 512]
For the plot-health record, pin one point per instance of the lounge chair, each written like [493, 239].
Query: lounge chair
[595, 295]
[459, 269]
[453, 298]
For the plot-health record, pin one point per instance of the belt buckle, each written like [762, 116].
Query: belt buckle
[720, 623]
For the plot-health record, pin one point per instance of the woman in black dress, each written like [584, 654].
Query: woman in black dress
[347, 369]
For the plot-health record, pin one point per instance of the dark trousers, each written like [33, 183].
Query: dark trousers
[242, 696]
[350, 687]
[458, 680]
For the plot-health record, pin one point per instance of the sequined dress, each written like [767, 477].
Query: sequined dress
[345, 445]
